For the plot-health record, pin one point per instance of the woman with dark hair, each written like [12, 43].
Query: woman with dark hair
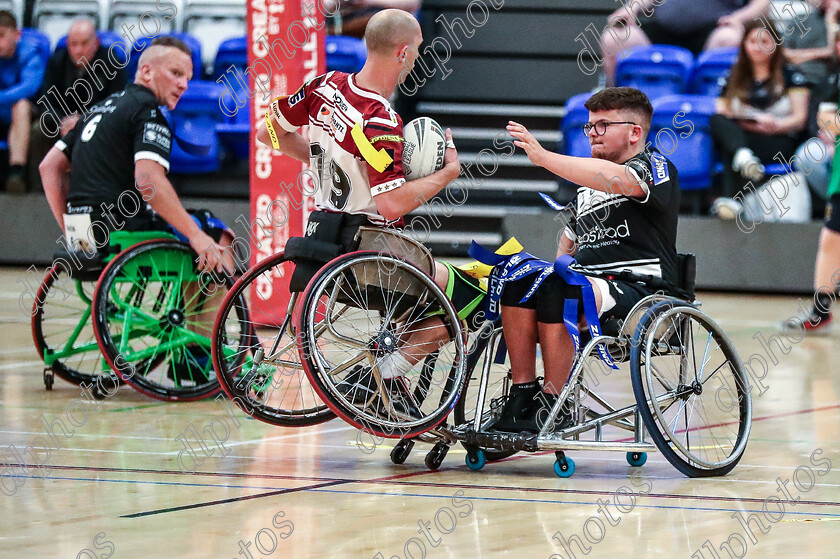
[763, 110]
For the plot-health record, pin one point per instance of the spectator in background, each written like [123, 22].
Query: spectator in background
[761, 113]
[67, 66]
[355, 14]
[697, 25]
[21, 71]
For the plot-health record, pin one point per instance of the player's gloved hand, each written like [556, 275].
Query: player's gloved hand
[526, 141]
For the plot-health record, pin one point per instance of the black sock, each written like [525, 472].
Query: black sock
[15, 169]
[527, 385]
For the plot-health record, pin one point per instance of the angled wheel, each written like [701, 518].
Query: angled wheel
[256, 358]
[691, 389]
[498, 385]
[365, 311]
[62, 328]
[153, 315]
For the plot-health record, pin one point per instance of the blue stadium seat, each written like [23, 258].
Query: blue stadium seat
[574, 141]
[232, 52]
[345, 54]
[195, 120]
[711, 69]
[657, 70]
[40, 39]
[191, 42]
[694, 155]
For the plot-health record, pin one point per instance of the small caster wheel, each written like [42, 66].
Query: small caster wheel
[563, 466]
[401, 451]
[435, 456]
[49, 379]
[103, 387]
[476, 459]
[636, 458]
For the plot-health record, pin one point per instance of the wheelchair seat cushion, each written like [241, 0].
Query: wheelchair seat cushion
[82, 265]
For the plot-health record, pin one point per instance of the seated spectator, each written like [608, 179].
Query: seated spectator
[812, 53]
[86, 61]
[761, 112]
[692, 24]
[21, 71]
[355, 14]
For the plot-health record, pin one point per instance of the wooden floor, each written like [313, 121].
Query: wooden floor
[115, 488]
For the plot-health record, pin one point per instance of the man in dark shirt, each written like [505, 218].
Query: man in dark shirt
[77, 77]
[626, 219]
[119, 154]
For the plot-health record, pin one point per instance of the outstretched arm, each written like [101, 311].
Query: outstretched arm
[597, 174]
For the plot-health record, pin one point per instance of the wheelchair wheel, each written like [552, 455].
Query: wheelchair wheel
[498, 386]
[363, 308]
[62, 328]
[153, 314]
[691, 389]
[256, 360]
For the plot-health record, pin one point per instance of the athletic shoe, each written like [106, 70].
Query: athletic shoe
[527, 409]
[746, 163]
[358, 386]
[809, 321]
[726, 208]
[15, 183]
[401, 397]
[192, 367]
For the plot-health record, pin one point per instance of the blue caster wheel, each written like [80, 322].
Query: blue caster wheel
[636, 458]
[564, 467]
[476, 459]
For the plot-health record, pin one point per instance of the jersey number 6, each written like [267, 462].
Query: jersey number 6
[90, 128]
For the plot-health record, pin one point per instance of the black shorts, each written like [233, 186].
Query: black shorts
[832, 213]
[658, 35]
[549, 299]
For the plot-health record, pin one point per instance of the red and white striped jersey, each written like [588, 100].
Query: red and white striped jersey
[332, 105]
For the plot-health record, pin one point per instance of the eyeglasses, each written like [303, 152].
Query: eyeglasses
[601, 126]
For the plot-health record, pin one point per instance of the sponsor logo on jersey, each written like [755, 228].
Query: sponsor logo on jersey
[660, 169]
[340, 101]
[297, 96]
[387, 138]
[157, 135]
[599, 233]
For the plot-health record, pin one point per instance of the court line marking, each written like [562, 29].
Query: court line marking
[638, 505]
[234, 499]
[393, 480]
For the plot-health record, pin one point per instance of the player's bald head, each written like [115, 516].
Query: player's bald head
[160, 49]
[390, 29]
[82, 29]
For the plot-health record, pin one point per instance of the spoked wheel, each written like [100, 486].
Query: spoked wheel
[257, 359]
[63, 330]
[691, 390]
[498, 386]
[153, 315]
[365, 313]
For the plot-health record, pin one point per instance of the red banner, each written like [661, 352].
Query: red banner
[285, 49]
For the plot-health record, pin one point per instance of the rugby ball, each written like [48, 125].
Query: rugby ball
[423, 150]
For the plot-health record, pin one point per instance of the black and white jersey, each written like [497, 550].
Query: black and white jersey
[614, 232]
[103, 147]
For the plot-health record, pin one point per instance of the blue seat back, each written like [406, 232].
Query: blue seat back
[691, 151]
[232, 52]
[711, 69]
[657, 70]
[345, 54]
[574, 141]
[201, 99]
